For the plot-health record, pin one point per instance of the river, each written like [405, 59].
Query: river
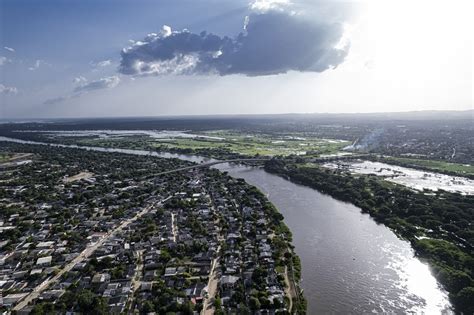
[350, 264]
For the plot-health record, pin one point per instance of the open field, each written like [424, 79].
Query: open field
[81, 175]
[8, 157]
[216, 143]
[233, 142]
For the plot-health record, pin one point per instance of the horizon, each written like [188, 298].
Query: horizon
[428, 111]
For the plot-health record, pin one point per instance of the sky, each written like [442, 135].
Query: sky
[103, 58]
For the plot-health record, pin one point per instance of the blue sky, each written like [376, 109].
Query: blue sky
[66, 58]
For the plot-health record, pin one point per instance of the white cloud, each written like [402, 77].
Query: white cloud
[180, 64]
[8, 90]
[102, 83]
[266, 5]
[166, 31]
[9, 49]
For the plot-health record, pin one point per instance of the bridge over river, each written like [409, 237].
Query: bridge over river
[262, 159]
[209, 164]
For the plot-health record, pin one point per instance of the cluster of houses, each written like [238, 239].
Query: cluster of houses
[204, 238]
[248, 247]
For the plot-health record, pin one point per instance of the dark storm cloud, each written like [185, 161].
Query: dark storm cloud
[272, 42]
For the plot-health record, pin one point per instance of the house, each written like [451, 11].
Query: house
[13, 298]
[44, 261]
[228, 282]
[101, 278]
[170, 271]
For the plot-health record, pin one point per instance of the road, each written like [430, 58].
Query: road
[136, 281]
[288, 290]
[208, 309]
[174, 226]
[82, 256]
[213, 281]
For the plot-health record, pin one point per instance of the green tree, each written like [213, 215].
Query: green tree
[465, 300]
[254, 304]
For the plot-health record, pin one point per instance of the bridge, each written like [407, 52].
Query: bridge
[209, 164]
[262, 159]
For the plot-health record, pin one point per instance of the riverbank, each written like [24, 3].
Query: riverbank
[423, 220]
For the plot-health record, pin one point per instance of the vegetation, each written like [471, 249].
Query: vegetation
[83, 301]
[4, 157]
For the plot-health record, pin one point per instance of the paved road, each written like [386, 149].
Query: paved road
[174, 226]
[82, 256]
[213, 281]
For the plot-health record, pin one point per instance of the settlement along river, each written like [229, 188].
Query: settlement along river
[350, 264]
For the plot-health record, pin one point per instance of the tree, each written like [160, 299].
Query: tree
[465, 300]
[218, 303]
[243, 309]
[254, 303]
[89, 303]
[147, 307]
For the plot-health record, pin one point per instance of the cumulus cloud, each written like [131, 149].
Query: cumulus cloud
[275, 40]
[8, 90]
[102, 83]
[9, 49]
[266, 5]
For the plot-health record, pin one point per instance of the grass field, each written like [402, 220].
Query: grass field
[5, 157]
[250, 144]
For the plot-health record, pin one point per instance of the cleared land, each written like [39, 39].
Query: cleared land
[81, 175]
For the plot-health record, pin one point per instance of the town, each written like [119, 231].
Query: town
[99, 233]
